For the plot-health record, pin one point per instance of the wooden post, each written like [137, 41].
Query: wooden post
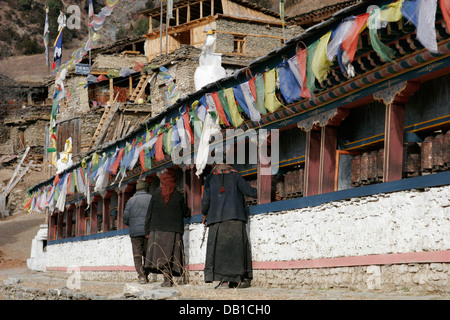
[60, 225]
[312, 163]
[111, 90]
[69, 225]
[393, 142]
[264, 180]
[94, 209]
[394, 97]
[107, 212]
[120, 209]
[327, 159]
[196, 194]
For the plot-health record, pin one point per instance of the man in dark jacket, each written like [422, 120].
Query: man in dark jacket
[228, 255]
[134, 217]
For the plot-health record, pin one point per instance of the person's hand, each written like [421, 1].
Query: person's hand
[203, 219]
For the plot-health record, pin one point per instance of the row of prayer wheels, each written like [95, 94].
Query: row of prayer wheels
[419, 158]
[435, 153]
[287, 186]
[367, 168]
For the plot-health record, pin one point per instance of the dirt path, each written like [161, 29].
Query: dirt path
[16, 234]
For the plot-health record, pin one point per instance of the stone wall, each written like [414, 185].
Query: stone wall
[255, 42]
[413, 221]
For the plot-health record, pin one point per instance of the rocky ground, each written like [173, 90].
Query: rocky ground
[17, 282]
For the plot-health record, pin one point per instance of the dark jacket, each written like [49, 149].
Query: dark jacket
[135, 212]
[230, 204]
[169, 218]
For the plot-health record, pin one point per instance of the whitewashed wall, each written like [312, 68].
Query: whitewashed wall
[399, 222]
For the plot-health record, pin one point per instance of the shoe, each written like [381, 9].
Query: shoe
[142, 280]
[244, 284]
[222, 284]
[167, 282]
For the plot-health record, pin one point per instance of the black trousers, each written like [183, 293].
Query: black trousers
[139, 246]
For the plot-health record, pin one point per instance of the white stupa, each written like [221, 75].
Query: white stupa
[210, 63]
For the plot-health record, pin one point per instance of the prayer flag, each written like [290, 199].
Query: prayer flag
[235, 116]
[219, 108]
[445, 8]
[270, 100]
[426, 30]
[159, 154]
[57, 51]
[392, 12]
[289, 87]
[301, 59]
[259, 93]
[381, 49]
[338, 37]
[350, 43]
[282, 11]
[320, 64]
[310, 77]
[46, 36]
[410, 10]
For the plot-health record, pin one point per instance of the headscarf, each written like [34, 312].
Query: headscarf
[168, 182]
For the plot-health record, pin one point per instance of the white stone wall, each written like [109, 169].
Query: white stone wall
[399, 222]
[111, 251]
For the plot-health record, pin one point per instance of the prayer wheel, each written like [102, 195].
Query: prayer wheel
[438, 152]
[380, 166]
[412, 160]
[372, 173]
[289, 184]
[426, 155]
[300, 178]
[447, 149]
[356, 171]
[365, 168]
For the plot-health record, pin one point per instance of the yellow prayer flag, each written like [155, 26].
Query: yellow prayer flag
[320, 64]
[235, 116]
[270, 100]
[392, 12]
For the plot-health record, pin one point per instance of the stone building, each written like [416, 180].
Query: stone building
[241, 28]
[358, 196]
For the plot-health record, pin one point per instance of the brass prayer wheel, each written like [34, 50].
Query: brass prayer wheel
[426, 155]
[438, 152]
[365, 168]
[372, 172]
[380, 161]
[356, 170]
[446, 148]
[412, 159]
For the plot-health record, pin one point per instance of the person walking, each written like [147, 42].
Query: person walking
[164, 227]
[228, 255]
[134, 217]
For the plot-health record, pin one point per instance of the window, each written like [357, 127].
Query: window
[239, 44]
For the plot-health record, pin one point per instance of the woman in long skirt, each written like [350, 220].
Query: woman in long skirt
[228, 255]
[164, 227]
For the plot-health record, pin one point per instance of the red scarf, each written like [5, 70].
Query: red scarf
[168, 182]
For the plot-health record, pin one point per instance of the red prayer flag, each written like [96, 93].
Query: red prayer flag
[350, 42]
[251, 84]
[301, 58]
[113, 168]
[219, 108]
[187, 126]
[159, 154]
